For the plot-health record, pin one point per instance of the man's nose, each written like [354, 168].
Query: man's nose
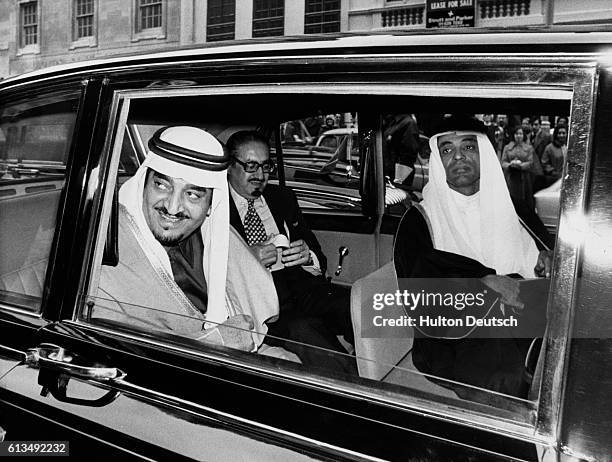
[174, 203]
[459, 154]
[259, 173]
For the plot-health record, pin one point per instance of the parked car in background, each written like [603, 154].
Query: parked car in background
[70, 136]
[547, 202]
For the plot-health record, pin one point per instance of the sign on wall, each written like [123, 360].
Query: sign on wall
[450, 13]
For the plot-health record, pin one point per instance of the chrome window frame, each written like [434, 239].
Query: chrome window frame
[535, 422]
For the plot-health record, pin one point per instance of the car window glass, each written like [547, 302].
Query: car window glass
[323, 150]
[386, 352]
[34, 144]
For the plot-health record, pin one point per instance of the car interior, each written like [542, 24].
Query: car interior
[33, 151]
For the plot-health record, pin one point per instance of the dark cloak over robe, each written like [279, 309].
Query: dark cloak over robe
[495, 364]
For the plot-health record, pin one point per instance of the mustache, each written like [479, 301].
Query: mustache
[164, 210]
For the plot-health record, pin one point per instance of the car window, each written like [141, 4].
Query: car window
[35, 137]
[323, 153]
[388, 353]
[329, 141]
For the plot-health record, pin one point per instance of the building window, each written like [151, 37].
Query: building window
[149, 14]
[322, 16]
[83, 19]
[29, 23]
[268, 18]
[221, 20]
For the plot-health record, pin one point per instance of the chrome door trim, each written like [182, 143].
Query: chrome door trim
[531, 90]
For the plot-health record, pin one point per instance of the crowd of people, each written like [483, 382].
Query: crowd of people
[531, 157]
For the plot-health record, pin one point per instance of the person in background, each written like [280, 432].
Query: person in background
[330, 123]
[526, 126]
[313, 125]
[400, 146]
[490, 126]
[502, 135]
[555, 154]
[540, 138]
[562, 121]
[517, 163]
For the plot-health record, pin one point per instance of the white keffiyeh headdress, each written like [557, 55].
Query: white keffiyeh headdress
[502, 244]
[198, 158]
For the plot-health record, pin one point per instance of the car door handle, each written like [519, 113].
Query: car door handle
[56, 358]
[342, 252]
[57, 366]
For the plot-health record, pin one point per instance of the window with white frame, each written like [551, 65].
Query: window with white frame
[84, 19]
[149, 15]
[28, 16]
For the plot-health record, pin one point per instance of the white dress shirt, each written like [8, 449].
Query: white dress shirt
[262, 209]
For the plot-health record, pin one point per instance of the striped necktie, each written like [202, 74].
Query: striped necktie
[253, 226]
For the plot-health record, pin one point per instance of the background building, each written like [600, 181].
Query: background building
[40, 33]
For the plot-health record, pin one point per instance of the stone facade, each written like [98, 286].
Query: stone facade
[184, 24]
[114, 34]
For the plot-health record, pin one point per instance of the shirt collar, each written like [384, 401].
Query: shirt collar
[241, 201]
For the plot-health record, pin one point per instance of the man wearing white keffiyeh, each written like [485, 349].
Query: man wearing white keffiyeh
[467, 227]
[181, 269]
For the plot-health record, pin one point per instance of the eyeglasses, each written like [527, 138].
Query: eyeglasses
[251, 167]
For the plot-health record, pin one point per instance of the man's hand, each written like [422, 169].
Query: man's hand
[265, 253]
[235, 332]
[507, 287]
[298, 253]
[544, 265]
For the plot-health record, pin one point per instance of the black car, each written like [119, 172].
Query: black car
[71, 136]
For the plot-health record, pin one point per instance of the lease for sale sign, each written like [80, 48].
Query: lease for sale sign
[450, 13]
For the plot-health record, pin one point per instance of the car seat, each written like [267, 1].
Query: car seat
[384, 353]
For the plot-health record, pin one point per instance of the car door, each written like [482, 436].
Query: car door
[43, 127]
[44, 383]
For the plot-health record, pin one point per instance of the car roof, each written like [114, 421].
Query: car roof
[425, 41]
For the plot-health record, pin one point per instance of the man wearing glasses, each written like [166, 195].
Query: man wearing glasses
[312, 312]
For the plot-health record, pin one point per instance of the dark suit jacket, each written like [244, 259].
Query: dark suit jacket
[540, 141]
[285, 209]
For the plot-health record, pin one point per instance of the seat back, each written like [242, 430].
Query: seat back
[385, 353]
[27, 226]
[376, 353]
